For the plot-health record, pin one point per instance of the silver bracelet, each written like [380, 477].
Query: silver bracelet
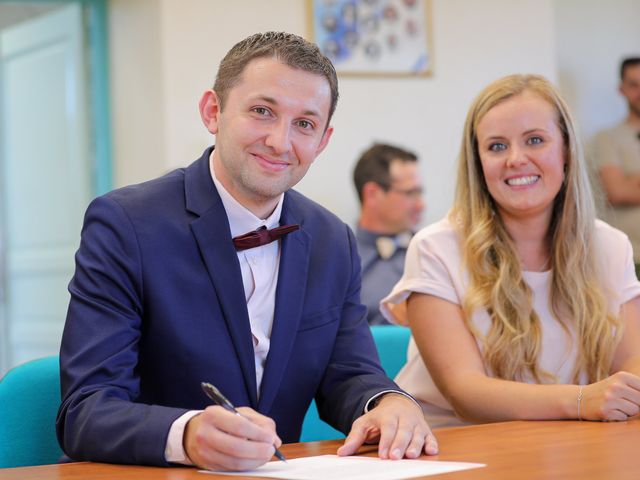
[580, 401]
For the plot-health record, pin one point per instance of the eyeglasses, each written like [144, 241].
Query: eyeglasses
[412, 193]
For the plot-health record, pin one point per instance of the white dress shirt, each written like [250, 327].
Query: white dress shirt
[259, 268]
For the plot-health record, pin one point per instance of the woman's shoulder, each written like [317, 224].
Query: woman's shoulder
[613, 250]
[609, 236]
[441, 231]
[615, 260]
[437, 240]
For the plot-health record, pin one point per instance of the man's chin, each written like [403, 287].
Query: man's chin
[268, 194]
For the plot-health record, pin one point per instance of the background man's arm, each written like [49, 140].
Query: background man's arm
[621, 188]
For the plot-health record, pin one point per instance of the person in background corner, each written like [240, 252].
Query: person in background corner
[389, 188]
[522, 305]
[617, 158]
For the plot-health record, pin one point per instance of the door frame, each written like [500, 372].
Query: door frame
[99, 96]
[100, 138]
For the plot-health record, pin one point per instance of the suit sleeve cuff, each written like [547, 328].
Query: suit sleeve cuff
[373, 401]
[174, 450]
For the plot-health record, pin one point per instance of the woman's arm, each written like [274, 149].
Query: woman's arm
[399, 313]
[451, 354]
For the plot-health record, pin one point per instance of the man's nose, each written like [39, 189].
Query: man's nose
[278, 137]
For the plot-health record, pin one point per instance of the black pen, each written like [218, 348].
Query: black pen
[216, 395]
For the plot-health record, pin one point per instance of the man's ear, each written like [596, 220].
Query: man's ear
[210, 110]
[370, 192]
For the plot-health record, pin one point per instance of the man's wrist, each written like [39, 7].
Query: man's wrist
[375, 400]
[174, 450]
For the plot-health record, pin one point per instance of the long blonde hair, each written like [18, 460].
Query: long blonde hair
[512, 344]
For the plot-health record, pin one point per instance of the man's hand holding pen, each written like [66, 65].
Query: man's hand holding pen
[218, 439]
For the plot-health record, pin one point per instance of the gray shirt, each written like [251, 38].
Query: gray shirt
[378, 275]
[620, 146]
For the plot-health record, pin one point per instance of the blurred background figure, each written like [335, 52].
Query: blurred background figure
[390, 191]
[617, 158]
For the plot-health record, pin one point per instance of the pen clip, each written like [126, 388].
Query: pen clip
[216, 395]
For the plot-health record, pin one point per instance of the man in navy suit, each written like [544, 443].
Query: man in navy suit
[162, 299]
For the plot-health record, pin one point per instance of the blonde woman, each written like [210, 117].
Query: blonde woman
[522, 305]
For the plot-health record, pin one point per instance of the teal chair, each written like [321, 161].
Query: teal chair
[29, 400]
[391, 342]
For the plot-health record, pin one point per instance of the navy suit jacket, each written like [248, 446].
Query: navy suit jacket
[157, 306]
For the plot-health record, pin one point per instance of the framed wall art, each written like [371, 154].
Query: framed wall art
[374, 37]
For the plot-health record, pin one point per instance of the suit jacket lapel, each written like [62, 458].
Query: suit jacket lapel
[290, 294]
[212, 233]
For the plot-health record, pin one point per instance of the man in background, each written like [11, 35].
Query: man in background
[390, 191]
[617, 158]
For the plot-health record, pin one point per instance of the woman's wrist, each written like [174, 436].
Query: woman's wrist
[569, 402]
[579, 405]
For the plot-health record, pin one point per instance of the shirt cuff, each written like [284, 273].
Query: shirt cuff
[371, 403]
[174, 450]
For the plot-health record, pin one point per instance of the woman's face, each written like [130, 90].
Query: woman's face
[523, 156]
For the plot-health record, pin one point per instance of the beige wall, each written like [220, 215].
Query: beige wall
[137, 90]
[593, 37]
[165, 53]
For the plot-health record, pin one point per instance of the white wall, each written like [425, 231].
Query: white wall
[165, 53]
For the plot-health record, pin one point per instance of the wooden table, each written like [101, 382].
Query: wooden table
[511, 450]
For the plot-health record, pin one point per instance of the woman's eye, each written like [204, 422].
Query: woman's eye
[535, 140]
[497, 147]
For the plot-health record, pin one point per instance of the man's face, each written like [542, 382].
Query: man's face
[400, 207]
[630, 88]
[273, 126]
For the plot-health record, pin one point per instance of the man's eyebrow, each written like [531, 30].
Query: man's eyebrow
[267, 99]
[273, 101]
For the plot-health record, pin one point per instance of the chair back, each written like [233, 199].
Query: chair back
[391, 342]
[29, 401]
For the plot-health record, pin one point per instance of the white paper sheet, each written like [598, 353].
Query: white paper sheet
[325, 467]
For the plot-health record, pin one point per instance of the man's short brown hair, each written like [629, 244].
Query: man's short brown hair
[374, 165]
[626, 63]
[290, 49]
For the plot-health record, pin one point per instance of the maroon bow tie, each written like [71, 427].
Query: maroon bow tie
[262, 236]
